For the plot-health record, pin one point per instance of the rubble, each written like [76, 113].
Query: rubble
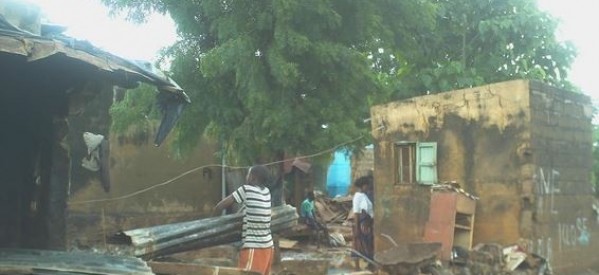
[410, 258]
[496, 259]
[333, 212]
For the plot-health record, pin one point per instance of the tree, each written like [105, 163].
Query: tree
[275, 77]
[595, 174]
[476, 42]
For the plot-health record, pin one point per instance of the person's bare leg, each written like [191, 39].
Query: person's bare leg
[357, 262]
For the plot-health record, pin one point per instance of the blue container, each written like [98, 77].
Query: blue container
[339, 174]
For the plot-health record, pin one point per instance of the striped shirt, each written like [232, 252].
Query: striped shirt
[256, 218]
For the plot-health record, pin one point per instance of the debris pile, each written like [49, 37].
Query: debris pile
[331, 212]
[410, 258]
[496, 259]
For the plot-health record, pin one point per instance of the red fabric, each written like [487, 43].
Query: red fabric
[256, 259]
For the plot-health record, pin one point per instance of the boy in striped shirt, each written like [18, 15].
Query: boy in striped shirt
[257, 250]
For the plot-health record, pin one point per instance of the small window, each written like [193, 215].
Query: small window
[405, 159]
[416, 162]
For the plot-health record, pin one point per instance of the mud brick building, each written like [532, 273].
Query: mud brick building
[524, 148]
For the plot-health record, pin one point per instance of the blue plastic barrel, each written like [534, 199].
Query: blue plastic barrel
[339, 174]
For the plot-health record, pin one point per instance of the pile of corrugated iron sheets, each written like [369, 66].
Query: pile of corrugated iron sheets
[28, 261]
[161, 240]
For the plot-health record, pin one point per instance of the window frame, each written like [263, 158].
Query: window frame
[416, 166]
[397, 162]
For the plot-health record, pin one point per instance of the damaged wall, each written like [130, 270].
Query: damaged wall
[135, 165]
[492, 140]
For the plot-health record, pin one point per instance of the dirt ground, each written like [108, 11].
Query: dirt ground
[306, 256]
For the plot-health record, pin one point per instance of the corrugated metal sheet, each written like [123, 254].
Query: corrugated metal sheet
[26, 261]
[151, 242]
[116, 70]
[35, 47]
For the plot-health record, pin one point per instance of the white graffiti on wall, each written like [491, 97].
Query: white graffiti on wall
[547, 184]
[544, 248]
[576, 234]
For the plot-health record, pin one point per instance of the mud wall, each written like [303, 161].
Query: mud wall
[362, 163]
[558, 189]
[478, 132]
[523, 147]
[135, 165]
[400, 213]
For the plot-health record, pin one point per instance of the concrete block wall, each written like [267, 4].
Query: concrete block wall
[563, 224]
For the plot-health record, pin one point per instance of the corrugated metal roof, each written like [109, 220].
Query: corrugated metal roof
[34, 47]
[28, 261]
[119, 71]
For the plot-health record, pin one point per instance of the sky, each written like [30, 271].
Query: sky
[89, 20]
[578, 24]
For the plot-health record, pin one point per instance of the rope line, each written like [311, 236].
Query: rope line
[212, 165]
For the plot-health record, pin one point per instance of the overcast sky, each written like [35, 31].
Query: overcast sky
[578, 23]
[89, 19]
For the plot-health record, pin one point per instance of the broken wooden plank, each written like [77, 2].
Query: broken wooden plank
[169, 268]
[286, 243]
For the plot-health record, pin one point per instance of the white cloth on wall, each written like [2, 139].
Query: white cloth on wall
[92, 160]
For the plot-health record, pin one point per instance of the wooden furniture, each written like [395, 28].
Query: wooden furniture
[451, 220]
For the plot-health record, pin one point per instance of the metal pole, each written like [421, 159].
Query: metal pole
[223, 190]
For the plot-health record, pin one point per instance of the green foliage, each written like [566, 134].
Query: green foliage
[135, 110]
[485, 41]
[273, 76]
[595, 174]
